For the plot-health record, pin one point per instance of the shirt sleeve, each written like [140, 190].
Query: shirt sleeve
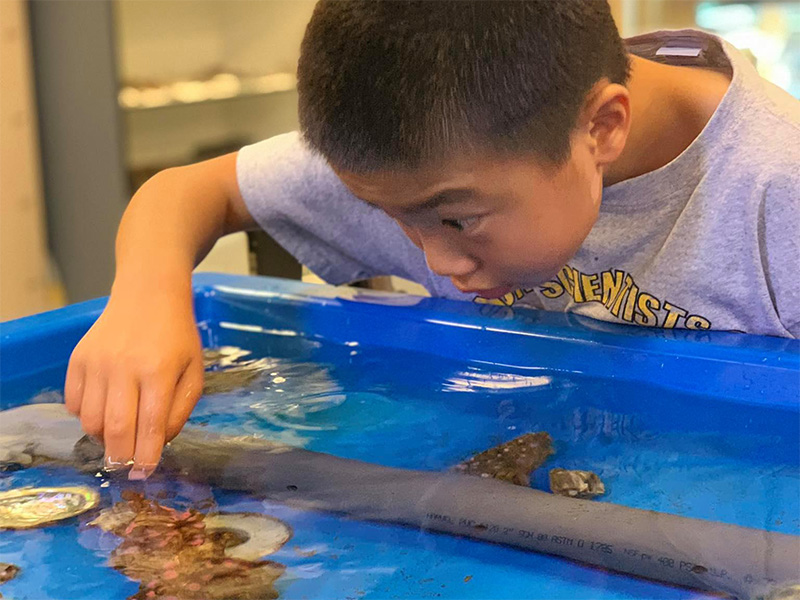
[780, 248]
[294, 195]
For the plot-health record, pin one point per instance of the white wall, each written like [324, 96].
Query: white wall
[161, 41]
[173, 134]
[164, 40]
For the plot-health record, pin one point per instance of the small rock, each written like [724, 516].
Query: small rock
[12, 460]
[8, 572]
[513, 461]
[576, 484]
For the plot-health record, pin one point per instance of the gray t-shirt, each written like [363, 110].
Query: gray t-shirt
[709, 241]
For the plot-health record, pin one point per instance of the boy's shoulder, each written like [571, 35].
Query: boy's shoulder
[750, 149]
[762, 123]
[755, 128]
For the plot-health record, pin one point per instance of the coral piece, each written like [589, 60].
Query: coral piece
[224, 356]
[576, 484]
[174, 554]
[224, 373]
[512, 461]
[222, 382]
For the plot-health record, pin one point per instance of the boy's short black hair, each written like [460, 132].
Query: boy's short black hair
[387, 84]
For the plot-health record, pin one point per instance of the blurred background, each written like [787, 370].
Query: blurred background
[96, 97]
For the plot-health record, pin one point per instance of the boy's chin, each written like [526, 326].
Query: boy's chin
[500, 291]
[493, 293]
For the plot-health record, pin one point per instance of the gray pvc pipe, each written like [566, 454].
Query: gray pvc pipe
[704, 555]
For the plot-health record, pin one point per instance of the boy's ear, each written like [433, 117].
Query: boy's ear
[606, 119]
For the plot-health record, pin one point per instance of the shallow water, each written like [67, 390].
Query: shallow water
[676, 453]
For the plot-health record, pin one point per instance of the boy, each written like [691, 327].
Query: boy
[467, 146]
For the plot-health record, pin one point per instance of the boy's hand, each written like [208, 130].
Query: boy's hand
[136, 376]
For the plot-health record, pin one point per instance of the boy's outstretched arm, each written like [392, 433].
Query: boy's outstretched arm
[136, 375]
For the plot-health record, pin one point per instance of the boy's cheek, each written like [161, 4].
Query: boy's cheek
[533, 265]
[410, 233]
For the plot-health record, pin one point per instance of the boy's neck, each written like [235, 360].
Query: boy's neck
[670, 106]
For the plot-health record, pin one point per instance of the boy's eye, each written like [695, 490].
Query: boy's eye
[460, 224]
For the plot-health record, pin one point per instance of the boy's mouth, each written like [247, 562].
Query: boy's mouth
[497, 292]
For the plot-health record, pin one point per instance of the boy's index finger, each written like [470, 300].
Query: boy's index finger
[154, 407]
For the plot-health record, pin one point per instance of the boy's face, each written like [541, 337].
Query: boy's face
[491, 224]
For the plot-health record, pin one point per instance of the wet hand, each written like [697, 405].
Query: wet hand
[136, 376]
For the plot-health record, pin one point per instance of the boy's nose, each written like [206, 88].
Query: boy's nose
[445, 259]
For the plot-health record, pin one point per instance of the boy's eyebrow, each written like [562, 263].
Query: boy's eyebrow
[450, 196]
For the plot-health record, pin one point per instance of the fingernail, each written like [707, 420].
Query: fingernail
[115, 464]
[141, 472]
